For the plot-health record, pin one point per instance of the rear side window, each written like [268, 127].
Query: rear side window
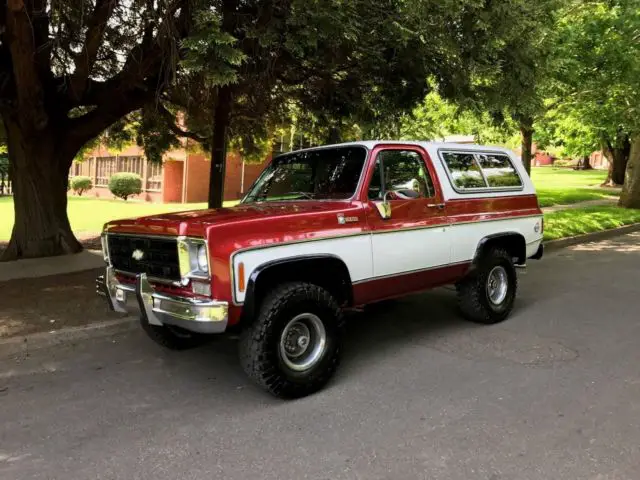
[464, 170]
[499, 171]
[481, 171]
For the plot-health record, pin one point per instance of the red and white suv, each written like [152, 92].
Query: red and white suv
[321, 231]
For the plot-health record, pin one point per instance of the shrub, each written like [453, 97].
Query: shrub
[123, 185]
[80, 184]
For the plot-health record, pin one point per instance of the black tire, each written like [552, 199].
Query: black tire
[473, 296]
[173, 338]
[260, 342]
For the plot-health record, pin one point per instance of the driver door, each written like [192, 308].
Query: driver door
[414, 241]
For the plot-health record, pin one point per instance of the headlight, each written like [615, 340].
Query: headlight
[203, 263]
[193, 258]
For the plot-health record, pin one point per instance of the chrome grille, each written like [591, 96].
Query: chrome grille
[155, 256]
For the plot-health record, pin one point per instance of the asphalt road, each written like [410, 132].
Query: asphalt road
[553, 393]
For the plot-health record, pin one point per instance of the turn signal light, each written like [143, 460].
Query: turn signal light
[241, 280]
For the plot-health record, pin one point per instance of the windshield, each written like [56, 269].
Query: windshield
[328, 173]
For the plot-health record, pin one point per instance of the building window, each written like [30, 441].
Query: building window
[106, 167]
[154, 176]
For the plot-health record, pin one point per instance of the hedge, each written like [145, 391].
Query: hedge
[80, 184]
[123, 185]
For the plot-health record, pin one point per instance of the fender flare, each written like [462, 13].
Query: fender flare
[249, 304]
[499, 236]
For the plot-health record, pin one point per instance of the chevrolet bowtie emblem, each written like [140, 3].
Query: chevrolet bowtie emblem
[137, 255]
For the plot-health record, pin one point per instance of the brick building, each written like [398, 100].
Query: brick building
[183, 177]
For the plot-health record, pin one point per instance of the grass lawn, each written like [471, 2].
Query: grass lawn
[88, 215]
[576, 221]
[563, 186]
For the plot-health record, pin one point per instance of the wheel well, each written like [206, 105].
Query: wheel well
[514, 243]
[328, 272]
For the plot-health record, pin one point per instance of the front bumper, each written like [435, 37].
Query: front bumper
[195, 315]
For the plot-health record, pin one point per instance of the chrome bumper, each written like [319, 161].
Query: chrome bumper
[195, 315]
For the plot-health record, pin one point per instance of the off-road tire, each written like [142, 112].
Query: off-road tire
[173, 338]
[473, 299]
[259, 342]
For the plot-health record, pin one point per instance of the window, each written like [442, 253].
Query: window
[464, 170]
[328, 173]
[499, 171]
[403, 169]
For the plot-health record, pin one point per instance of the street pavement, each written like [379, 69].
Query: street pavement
[553, 393]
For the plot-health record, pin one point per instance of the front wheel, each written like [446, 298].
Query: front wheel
[487, 295]
[292, 349]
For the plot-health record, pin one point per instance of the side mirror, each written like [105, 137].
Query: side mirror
[384, 207]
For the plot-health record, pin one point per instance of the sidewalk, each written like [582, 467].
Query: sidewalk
[43, 267]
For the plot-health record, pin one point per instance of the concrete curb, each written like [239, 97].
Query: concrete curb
[554, 245]
[23, 344]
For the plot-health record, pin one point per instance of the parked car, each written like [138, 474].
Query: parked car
[322, 231]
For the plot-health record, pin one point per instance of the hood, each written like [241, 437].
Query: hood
[196, 222]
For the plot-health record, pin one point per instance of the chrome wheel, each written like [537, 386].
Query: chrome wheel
[497, 285]
[303, 342]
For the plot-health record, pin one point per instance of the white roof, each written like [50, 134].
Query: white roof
[370, 144]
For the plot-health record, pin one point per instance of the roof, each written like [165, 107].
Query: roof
[370, 144]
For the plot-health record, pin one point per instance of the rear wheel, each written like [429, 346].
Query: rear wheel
[173, 338]
[487, 295]
[292, 349]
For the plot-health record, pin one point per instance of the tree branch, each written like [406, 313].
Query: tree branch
[86, 58]
[169, 119]
[86, 127]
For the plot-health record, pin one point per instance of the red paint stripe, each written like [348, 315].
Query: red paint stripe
[398, 285]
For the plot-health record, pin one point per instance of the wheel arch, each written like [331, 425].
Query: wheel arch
[513, 242]
[325, 270]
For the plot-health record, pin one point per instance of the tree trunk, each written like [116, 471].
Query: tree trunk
[586, 163]
[219, 147]
[335, 136]
[526, 129]
[618, 157]
[630, 197]
[39, 177]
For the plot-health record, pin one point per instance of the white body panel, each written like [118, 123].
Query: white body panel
[410, 250]
[354, 251]
[466, 237]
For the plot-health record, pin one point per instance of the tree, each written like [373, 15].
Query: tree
[436, 118]
[68, 71]
[595, 82]
[328, 60]
[512, 82]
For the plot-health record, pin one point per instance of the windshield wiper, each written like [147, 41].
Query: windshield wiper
[308, 195]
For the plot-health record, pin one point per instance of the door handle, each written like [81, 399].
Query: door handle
[436, 205]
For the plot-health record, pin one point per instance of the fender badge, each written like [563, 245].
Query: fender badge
[342, 219]
[536, 228]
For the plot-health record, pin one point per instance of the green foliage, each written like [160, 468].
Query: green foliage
[436, 118]
[123, 185]
[596, 76]
[80, 184]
